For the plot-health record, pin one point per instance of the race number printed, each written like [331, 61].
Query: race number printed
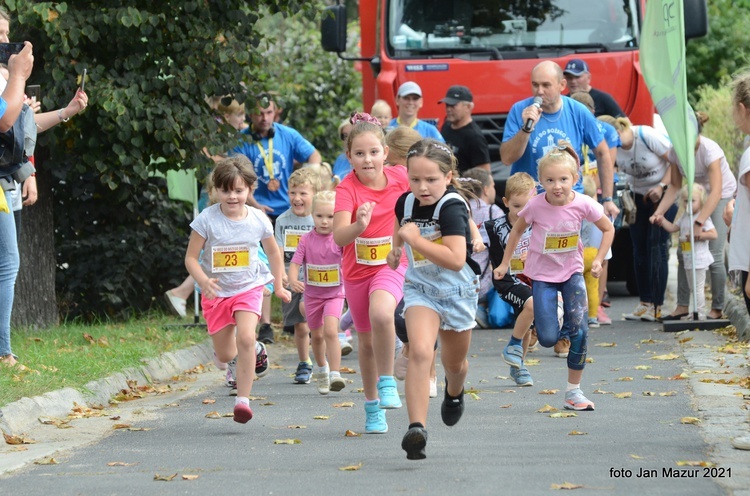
[291, 239]
[516, 266]
[372, 251]
[323, 275]
[234, 258]
[419, 259]
[561, 242]
[686, 246]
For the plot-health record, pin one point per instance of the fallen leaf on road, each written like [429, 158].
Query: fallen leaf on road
[508, 391]
[549, 391]
[669, 356]
[642, 367]
[648, 393]
[577, 433]
[256, 398]
[349, 433]
[347, 370]
[20, 448]
[650, 341]
[268, 403]
[531, 362]
[684, 340]
[606, 345]
[590, 360]
[230, 414]
[287, 441]
[668, 393]
[547, 409]
[296, 427]
[563, 415]
[346, 404]
[189, 477]
[137, 429]
[679, 377]
[652, 377]
[601, 391]
[566, 485]
[213, 415]
[624, 379]
[636, 457]
[321, 417]
[474, 396]
[121, 464]
[209, 401]
[351, 468]
[690, 420]
[46, 461]
[114, 417]
[686, 463]
[167, 478]
[623, 395]
[59, 423]
[121, 426]
[506, 406]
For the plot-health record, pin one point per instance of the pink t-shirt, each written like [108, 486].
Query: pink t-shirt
[350, 194]
[320, 259]
[556, 231]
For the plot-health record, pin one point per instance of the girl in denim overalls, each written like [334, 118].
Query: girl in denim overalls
[441, 286]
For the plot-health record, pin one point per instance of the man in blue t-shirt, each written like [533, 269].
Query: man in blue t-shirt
[272, 151]
[408, 102]
[558, 118]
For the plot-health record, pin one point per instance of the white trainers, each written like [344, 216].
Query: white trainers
[433, 387]
[639, 311]
[176, 304]
[323, 380]
[346, 346]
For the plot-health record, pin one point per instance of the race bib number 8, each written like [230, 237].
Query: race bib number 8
[560, 242]
[230, 258]
[372, 251]
[323, 275]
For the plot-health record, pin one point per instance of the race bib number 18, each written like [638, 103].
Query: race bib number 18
[560, 242]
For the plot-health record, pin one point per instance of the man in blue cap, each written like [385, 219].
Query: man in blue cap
[578, 77]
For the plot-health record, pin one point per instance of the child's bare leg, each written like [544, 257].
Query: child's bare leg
[422, 324]
[332, 348]
[318, 345]
[382, 307]
[302, 341]
[246, 322]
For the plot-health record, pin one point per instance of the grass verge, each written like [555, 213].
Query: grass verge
[72, 355]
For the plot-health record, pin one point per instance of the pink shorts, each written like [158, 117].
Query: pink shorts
[317, 309]
[358, 293]
[219, 312]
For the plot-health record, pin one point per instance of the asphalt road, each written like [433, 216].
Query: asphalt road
[502, 445]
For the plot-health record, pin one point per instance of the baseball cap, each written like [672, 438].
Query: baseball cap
[409, 88]
[576, 67]
[457, 94]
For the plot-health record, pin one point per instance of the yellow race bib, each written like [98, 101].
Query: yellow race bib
[323, 275]
[230, 258]
[419, 259]
[516, 265]
[291, 239]
[561, 242]
[686, 246]
[372, 251]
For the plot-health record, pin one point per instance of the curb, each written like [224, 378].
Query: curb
[21, 415]
[735, 310]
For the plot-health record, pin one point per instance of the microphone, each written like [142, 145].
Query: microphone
[530, 123]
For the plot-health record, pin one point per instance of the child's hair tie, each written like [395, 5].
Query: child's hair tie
[442, 147]
[363, 117]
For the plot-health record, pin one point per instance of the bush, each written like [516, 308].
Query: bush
[717, 104]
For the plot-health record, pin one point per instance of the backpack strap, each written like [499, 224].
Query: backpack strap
[449, 196]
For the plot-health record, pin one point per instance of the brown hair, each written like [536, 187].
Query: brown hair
[476, 180]
[701, 118]
[585, 98]
[741, 89]
[441, 154]
[364, 123]
[227, 171]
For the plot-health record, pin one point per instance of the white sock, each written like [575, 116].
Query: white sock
[242, 399]
[258, 347]
[571, 387]
[321, 370]
[335, 373]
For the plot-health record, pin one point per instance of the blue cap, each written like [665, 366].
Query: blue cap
[576, 67]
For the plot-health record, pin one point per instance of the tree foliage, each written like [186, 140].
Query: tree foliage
[150, 65]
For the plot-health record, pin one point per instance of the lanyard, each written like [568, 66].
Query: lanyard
[412, 125]
[267, 158]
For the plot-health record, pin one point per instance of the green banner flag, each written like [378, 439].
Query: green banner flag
[662, 56]
[181, 186]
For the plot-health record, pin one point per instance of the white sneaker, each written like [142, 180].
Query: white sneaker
[639, 312]
[741, 443]
[337, 383]
[323, 380]
[345, 345]
[433, 387]
[399, 366]
[176, 304]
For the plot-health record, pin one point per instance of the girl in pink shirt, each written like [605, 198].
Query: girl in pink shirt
[555, 260]
[323, 290]
[363, 222]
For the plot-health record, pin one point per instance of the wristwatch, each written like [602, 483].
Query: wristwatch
[663, 186]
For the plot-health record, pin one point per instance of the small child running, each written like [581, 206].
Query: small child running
[555, 260]
[323, 290]
[442, 284]
[230, 275]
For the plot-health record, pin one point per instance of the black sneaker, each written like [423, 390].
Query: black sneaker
[265, 334]
[289, 329]
[452, 408]
[414, 443]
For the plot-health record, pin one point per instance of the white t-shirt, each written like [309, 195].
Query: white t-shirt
[701, 253]
[226, 238]
[643, 162]
[709, 151]
[739, 241]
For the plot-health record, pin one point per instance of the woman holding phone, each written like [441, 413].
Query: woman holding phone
[9, 257]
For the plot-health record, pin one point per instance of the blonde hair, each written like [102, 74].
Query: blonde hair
[303, 176]
[519, 183]
[400, 140]
[381, 107]
[343, 124]
[589, 186]
[562, 153]
[585, 98]
[325, 197]
[325, 174]
[620, 123]
[698, 192]
[234, 107]
[741, 88]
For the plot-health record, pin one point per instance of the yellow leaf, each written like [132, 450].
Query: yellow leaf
[120, 464]
[624, 379]
[349, 433]
[590, 360]
[346, 404]
[475, 396]
[668, 393]
[669, 356]
[684, 340]
[508, 391]
[347, 370]
[121, 426]
[566, 485]
[650, 341]
[686, 463]
[351, 468]
[136, 429]
[563, 415]
[52, 15]
[577, 433]
[648, 393]
[209, 401]
[46, 461]
[624, 395]
[606, 345]
[547, 409]
[636, 457]
[642, 367]
[506, 405]
[256, 398]
[287, 441]
[690, 420]
[321, 417]
[652, 377]
[189, 477]
[167, 478]
[213, 415]
[679, 377]
[549, 391]
[531, 362]
[601, 391]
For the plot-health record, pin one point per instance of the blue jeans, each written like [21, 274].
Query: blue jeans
[650, 252]
[9, 263]
[575, 322]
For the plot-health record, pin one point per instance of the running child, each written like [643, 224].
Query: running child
[442, 284]
[701, 254]
[230, 275]
[290, 226]
[514, 287]
[323, 290]
[555, 260]
[363, 226]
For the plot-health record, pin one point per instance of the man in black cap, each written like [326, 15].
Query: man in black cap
[578, 77]
[461, 132]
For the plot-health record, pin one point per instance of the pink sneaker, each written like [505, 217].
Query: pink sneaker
[602, 317]
[242, 413]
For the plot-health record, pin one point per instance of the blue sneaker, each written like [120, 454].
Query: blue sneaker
[388, 393]
[374, 418]
[303, 374]
[513, 355]
[521, 376]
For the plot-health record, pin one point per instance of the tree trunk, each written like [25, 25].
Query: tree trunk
[35, 302]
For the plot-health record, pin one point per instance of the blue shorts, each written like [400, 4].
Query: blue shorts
[457, 305]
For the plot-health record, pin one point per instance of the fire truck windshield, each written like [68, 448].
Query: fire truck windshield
[453, 28]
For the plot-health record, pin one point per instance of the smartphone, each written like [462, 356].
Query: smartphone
[33, 91]
[8, 49]
[83, 80]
